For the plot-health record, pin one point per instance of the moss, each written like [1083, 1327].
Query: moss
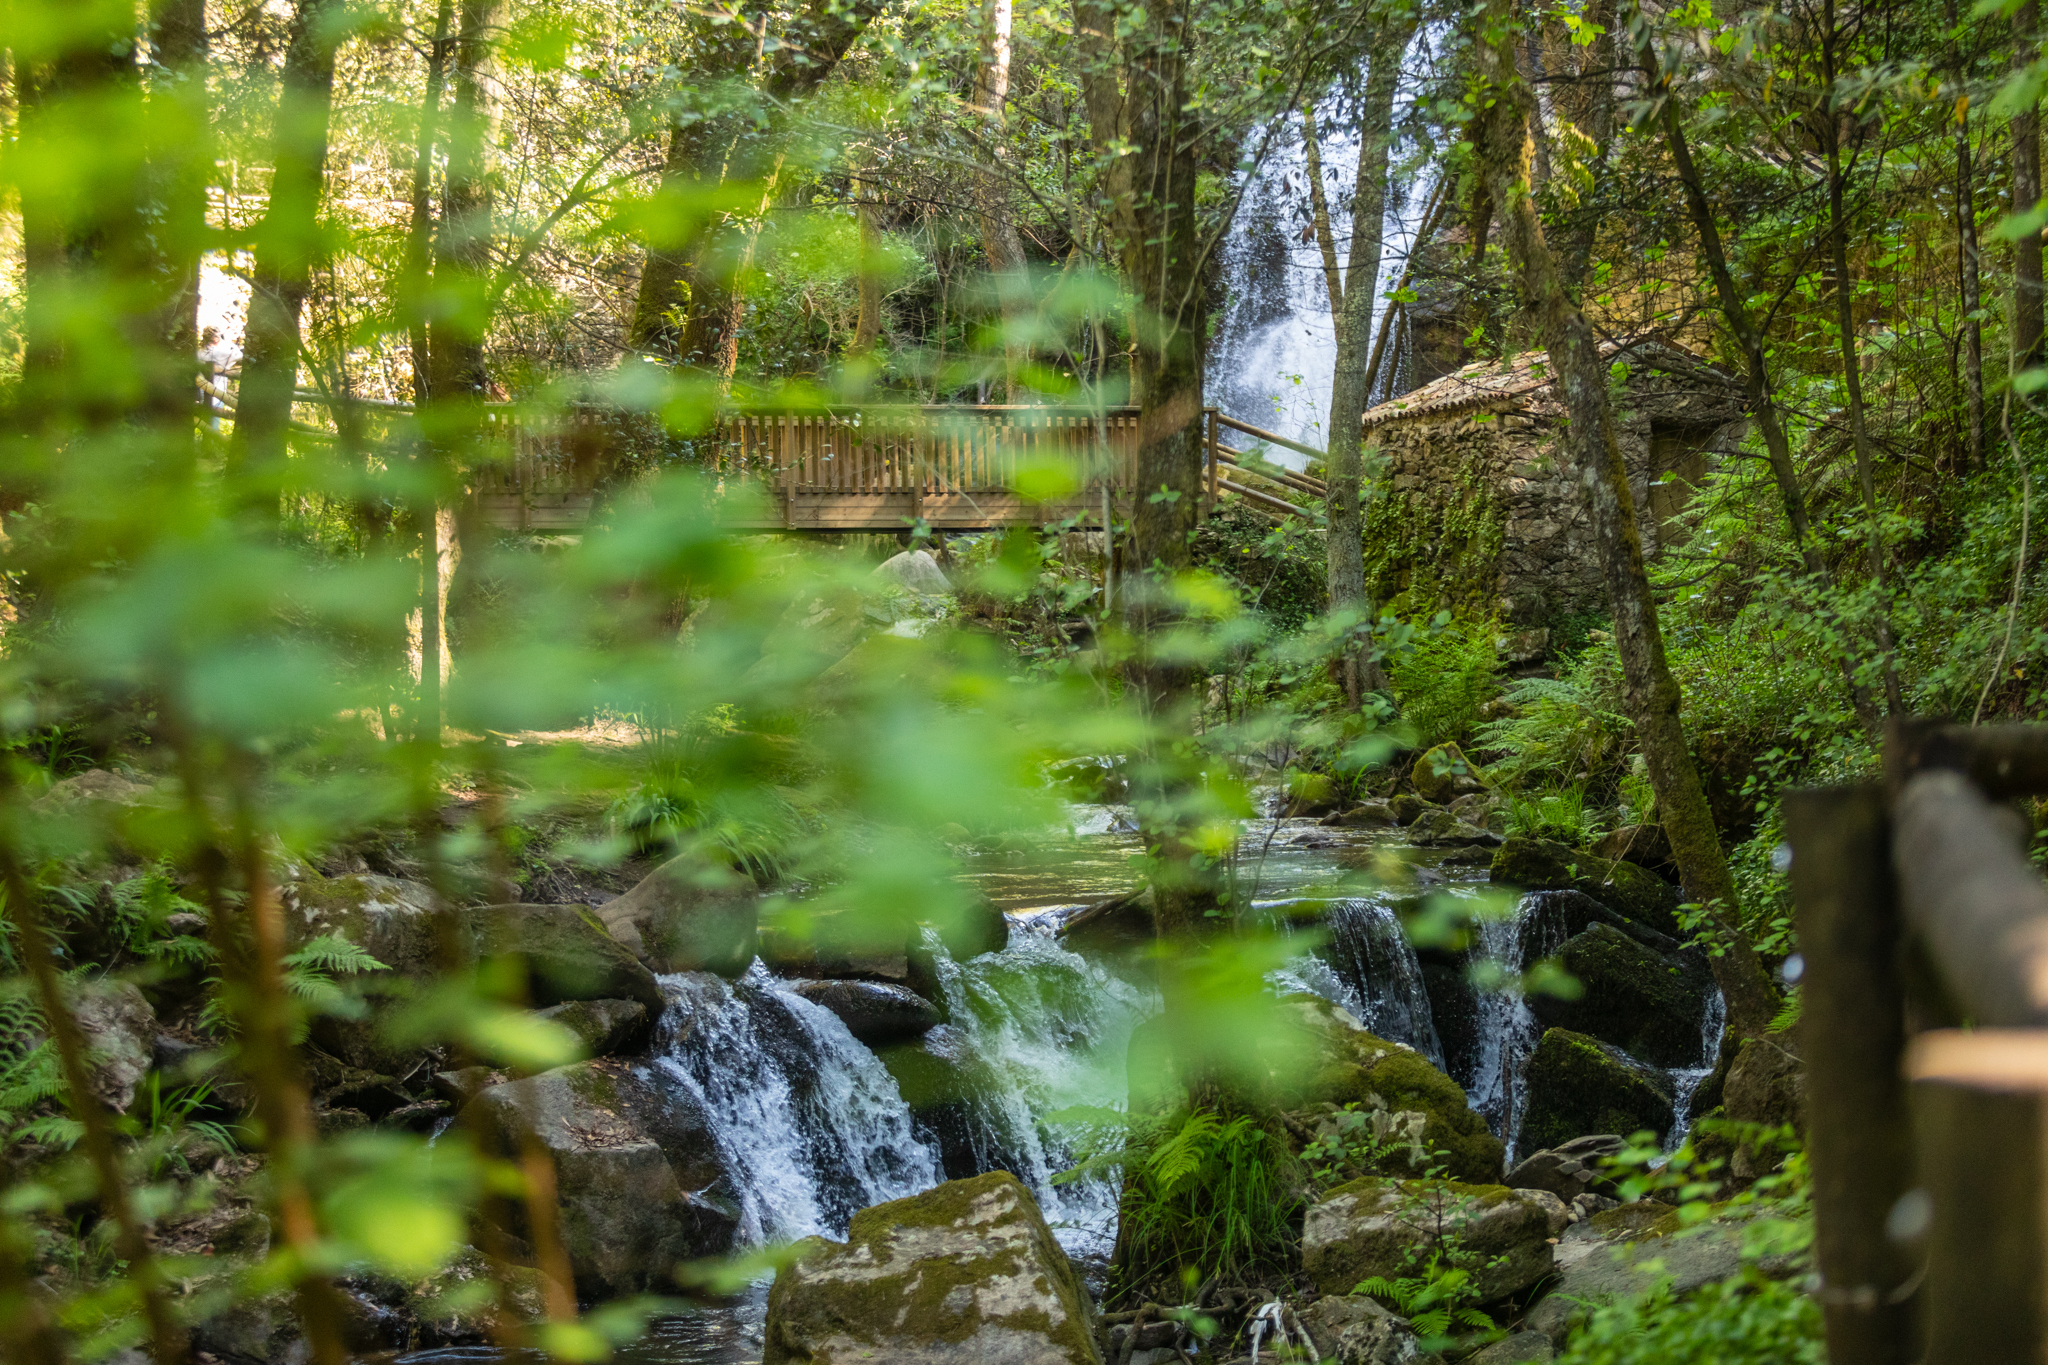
[1423, 553]
[1359, 1065]
[1630, 891]
[1631, 997]
[1578, 1086]
[1444, 772]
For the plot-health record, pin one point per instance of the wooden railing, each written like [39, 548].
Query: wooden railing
[1924, 932]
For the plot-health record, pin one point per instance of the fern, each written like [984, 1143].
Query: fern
[1788, 1015]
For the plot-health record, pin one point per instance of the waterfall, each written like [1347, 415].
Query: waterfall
[1688, 1079]
[1508, 1031]
[805, 1118]
[1052, 1031]
[1369, 967]
[1275, 353]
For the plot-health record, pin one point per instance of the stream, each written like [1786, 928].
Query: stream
[815, 1129]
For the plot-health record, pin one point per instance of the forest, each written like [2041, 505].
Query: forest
[1103, 684]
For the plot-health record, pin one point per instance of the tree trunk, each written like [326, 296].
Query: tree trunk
[1344, 464]
[1852, 370]
[1649, 691]
[419, 236]
[2026, 193]
[867, 328]
[462, 239]
[1138, 113]
[1968, 267]
[287, 245]
[1319, 214]
[1000, 241]
[178, 100]
[1756, 364]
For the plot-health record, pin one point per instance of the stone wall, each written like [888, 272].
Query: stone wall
[1478, 510]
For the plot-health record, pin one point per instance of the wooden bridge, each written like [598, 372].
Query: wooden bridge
[886, 468]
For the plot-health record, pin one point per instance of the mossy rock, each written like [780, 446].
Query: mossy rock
[1353, 1065]
[1628, 890]
[1579, 1085]
[1391, 1228]
[567, 953]
[1645, 1004]
[1444, 773]
[967, 1272]
[686, 916]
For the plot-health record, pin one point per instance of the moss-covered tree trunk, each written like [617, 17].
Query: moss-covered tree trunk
[1348, 394]
[1650, 692]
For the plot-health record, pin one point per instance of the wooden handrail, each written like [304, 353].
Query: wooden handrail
[1269, 438]
[1262, 499]
[1303, 482]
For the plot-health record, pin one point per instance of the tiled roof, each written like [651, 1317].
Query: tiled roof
[1494, 384]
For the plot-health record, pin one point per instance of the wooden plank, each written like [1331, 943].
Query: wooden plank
[1859, 1130]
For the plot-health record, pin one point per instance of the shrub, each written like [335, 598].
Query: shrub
[1444, 677]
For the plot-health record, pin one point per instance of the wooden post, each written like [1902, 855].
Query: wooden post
[1215, 438]
[1977, 1100]
[1859, 1130]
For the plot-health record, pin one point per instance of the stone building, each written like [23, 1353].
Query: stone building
[1477, 508]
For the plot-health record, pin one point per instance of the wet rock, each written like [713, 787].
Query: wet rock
[1366, 815]
[1444, 773]
[625, 1218]
[567, 954]
[1646, 846]
[119, 1031]
[1766, 1084]
[1649, 1006]
[1580, 1085]
[1443, 829]
[1408, 807]
[256, 1331]
[1561, 915]
[460, 1087]
[941, 1079]
[1116, 925]
[603, 1027]
[873, 1012]
[1569, 1170]
[1541, 865]
[965, 1274]
[686, 917]
[1391, 1228]
[839, 944]
[1520, 1348]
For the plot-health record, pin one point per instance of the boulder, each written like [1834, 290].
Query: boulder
[1569, 1170]
[1438, 828]
[1117, 925]
[1541, 865]
[1392, 1228]
[603, 1027]
[686, 917]
[802, 941]
[626, 1219]
[1366, 815]
[389, 918]
[1518, 1348]
[119, 1031]
[567, 954]
[1353, 1329]
[1646, 846]
[1579, 1085]
[940, 1078]
[1357, 1067]
[1625, 1251]
[454, 1306]
[1559, 915]
[965, 1274]
[1766, 1084]
[1649, 1006]
[1444, 773]
[1408, 807]
[874, 1012]
[914, 572]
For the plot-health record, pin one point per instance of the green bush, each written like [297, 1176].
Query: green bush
[1745, 1320]
[1278, 568]
[1564, 730]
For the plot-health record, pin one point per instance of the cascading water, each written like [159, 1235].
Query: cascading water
[1051, 1031]
[1508, 1031]
[1689, 1079]
[1275, 353]
[806, 1119]
[1369, 967]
